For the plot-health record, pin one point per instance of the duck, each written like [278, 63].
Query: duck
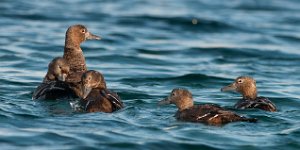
[246, 86]
[95, 95]
[210, 114]
[73, 54]
[54, 86]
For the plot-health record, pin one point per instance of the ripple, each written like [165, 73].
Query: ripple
[149, 48]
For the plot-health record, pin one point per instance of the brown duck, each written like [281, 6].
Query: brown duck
[210, 114]
[53, 86]
[247, 87]
[73, 54]
[96, 97]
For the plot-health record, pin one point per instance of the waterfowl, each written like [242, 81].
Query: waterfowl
[95, 95]
[210, 114]
[247, 87]
[53, 85]
[73, 54]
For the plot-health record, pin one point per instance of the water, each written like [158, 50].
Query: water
[148, 48]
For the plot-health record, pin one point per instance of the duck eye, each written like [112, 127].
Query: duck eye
[240, 81]
[83, 31]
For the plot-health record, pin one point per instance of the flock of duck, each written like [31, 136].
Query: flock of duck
[68, 77]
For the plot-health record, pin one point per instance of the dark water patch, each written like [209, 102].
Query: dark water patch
[29, 16]
[289, 38]
[122, 36]
[188, 79]
[266, 6]
[13, 82]
[129, 59]
[10, 57]
[131, 94]
[6, 52]
[156, 52]
[243, 53]
[177, 23]
[45, 48]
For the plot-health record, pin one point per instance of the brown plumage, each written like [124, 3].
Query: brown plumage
[53, 86]
[210, 114]
[95, 96]
[247, 87]
[58, 70]
[73, 54]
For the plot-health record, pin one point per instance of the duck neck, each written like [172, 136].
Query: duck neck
[72, 42]
[250, 94]
[187, 103]
[49, 77]
[74, 56]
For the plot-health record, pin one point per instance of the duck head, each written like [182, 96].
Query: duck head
[243, 85]
[77, 34]
[182, 98]
[58, 69]
[92, 80]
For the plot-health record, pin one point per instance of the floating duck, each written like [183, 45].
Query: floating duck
[210, 114]
[247, 87]
[53, 85]
[73, 54]
[95, 95]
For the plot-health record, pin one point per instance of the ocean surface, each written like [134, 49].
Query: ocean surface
[148, 48]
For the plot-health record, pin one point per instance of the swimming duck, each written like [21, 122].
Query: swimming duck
[95, 95]
[210, 114]
[53, 85]
[73, 54]
[247, 87]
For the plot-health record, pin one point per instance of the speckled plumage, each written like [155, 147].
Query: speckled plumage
[210, 114]
[53, 86]
[73, 54]
[247, 87]
[96, 96]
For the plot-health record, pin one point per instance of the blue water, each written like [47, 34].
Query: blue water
[149, 48]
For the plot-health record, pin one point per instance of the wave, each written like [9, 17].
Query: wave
[184, 23]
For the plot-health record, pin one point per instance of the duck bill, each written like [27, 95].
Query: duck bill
[62, 77]
[231, 87]
[165, 101]
[86, 91]
[90, 36]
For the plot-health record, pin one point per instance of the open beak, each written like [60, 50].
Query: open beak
[165, 101]
[86, 91]
[62, 77]
[231, 87]
[90, 36]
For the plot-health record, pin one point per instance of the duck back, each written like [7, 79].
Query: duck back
[53, 90]
[102, 100]
[259, 103]
[210, 114]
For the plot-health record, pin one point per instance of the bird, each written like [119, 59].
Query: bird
[75, 35]
[54, 86]
[246, 86]
[95, 95]
[210, 114]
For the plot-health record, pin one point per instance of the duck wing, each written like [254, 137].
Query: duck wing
[52, 90]
[210, 114]
[198, 113]
[114, 99]
[260, 103]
